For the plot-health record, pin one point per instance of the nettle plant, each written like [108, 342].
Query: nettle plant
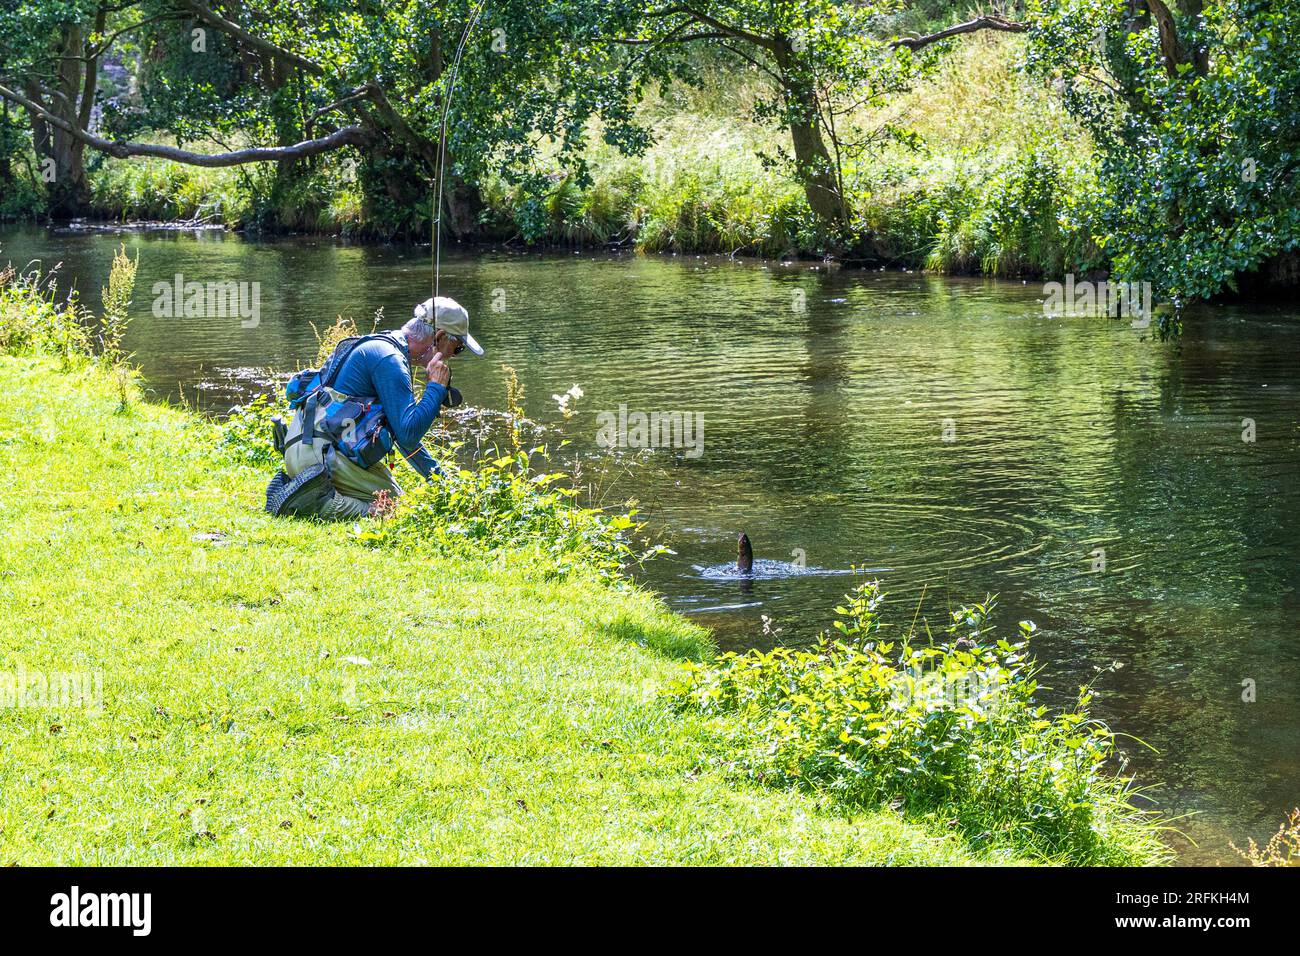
[514, 502]
[245, 435]
[948, 729]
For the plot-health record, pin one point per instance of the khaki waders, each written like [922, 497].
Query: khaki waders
[355, 487]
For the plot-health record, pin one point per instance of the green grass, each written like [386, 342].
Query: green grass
[275, 692]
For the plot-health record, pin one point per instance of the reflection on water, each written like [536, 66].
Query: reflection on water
[941, 435]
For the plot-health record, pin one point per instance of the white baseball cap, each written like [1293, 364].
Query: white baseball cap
[449, 316]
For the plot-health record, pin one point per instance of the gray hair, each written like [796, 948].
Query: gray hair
[419, 329]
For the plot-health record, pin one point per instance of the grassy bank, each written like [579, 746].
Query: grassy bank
[279, 691]
[276, 692]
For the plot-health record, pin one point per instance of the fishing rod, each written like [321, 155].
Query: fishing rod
[442, 142]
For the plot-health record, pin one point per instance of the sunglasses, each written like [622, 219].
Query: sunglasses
[460, 345]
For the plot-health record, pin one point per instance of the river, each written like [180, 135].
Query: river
[1135, 499]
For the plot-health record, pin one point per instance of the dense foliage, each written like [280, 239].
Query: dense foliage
[370, 80]
[506, 502]
[1189, 103]
[1193, 110]
[245, 434]
[949, 728]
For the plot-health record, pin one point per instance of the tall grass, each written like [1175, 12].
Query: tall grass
[116, 298]
[323, 197]
[157, 190]
[1282, 848]
[34, 321]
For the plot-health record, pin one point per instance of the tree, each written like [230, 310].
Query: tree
[1192, 104]
[315, 76]
[824, 59]
[809, 50]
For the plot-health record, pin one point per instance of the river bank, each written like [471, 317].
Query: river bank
[274, 693]
[280, 692]
[1007, 192]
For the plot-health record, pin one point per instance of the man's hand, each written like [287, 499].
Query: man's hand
[438, 371]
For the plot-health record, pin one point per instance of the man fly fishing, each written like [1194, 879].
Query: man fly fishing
[350, 413]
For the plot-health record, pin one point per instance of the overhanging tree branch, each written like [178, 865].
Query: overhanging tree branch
[970, 26]
[716, 35]
[229, 27]
[710, 21]
[347, 136]
[361, 93]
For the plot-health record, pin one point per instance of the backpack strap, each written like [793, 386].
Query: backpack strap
[329, 372]
[343, 351]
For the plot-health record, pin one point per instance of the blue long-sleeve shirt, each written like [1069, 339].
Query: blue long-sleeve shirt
[378, 369]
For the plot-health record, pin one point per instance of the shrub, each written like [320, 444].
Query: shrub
[33, 322]
[245, 435]
[947, 729]
[504, 503]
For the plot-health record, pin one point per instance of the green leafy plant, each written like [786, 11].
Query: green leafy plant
[34, 322]
[947, 729]
[245, 435]
[506, 503]
[515, 409]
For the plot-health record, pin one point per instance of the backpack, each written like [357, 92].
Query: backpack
[354, 426]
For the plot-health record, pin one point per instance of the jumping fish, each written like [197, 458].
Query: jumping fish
[744, 555]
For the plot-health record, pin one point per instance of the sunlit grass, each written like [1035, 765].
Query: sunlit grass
[274, 692]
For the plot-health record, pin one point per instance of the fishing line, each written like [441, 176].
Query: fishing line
[442, 144]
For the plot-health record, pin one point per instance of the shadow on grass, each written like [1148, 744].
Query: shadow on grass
[666, 638]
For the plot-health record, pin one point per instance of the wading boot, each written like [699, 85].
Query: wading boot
[306, 493]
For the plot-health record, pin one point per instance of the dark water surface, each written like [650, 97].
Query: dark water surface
[824, 439]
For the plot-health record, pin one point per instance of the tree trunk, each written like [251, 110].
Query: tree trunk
[816, 170]
[463, 204]
[6, 167]
[813, 163]
[68, 192]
